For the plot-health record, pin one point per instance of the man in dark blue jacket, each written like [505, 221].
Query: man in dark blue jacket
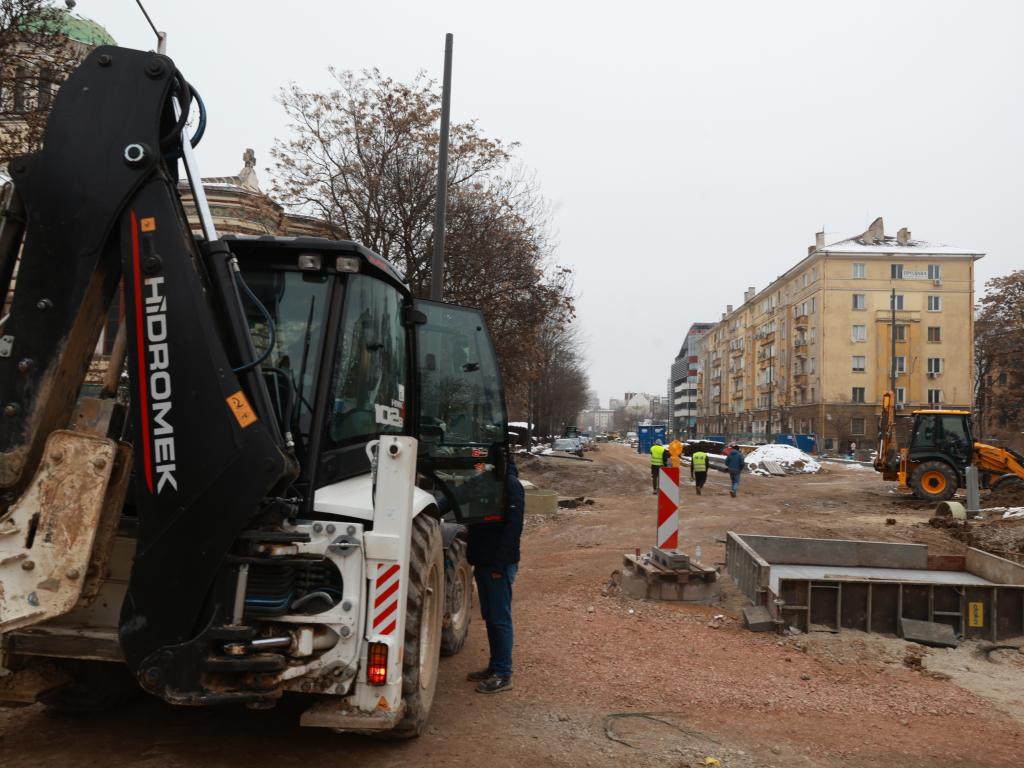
[734, 463]
[493, 551]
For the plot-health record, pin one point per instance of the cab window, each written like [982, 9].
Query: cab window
[368, 385]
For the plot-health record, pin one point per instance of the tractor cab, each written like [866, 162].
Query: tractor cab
[947, 433]
[941, 448]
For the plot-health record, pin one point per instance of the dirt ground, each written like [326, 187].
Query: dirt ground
[609, 681]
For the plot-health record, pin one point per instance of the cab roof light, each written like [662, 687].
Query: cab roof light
[310, 262]
[377, 663]
[347, 264]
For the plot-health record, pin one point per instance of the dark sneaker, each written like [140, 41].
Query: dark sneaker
[480, 674]
[733, 494]
[698, 490]
[494, 684]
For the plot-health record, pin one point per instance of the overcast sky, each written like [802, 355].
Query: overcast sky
[689, 149]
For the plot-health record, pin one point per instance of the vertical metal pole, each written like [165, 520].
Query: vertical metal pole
[973, 500]
[437, 264]
[771, 376]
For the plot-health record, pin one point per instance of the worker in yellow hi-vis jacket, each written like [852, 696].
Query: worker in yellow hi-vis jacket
[658, 455]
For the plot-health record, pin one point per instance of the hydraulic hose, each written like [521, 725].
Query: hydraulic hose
[272, 342]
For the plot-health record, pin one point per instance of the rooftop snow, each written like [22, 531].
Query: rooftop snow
[891, 245]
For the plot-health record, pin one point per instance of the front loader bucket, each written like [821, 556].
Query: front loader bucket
[47, 537]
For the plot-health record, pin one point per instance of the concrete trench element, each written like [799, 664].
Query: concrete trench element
[827, 584]
[648, 581]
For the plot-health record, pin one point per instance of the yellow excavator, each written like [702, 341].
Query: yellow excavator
[941, 448]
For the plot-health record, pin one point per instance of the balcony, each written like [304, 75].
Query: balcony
[902, 316]
[801, 321]
[800, 347]
[802, 380]
[737, 352]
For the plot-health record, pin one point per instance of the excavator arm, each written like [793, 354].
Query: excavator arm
[887, 459]
[100, 212]
[997, 462]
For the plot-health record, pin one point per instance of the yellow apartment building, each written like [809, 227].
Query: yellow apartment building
[814, 351]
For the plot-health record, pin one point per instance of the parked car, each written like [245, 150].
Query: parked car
[569, 445]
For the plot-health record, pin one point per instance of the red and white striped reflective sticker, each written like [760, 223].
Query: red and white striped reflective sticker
[668, 508]
[385, 599]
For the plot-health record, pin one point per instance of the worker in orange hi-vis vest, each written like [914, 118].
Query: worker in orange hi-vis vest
[675, 450]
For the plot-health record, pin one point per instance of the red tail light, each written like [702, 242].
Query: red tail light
[377, 664]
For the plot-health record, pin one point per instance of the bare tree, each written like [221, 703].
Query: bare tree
[558, 382]
[363, 157]
[998, 366]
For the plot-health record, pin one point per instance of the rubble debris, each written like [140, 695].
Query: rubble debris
[770, 459]
[890, 521]
[576, 503]
[614, 585]
[1010, 495]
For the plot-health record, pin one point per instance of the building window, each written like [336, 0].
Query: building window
[901, 333]
[814, 335]
[934, 396]
[896, 271]
[1003, 378]
[901, 364]
[858, 301]
[811, 365]
[934, 271]
[860, 333]
[858, 271]
[857, 395]
[857, 426]
[859, 363]
[934, 333]
[934, 303]
[896, 302]
[901, 395]
[935, 365]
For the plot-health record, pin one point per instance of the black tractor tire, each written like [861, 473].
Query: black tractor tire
[96, 688]
[934, 481]
[424, 615]
[458, 598]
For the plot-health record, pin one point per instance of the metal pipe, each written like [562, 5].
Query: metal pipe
[281, 641]
[241, 586]
[441, 203]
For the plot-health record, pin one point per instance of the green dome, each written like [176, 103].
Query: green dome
[85, 30]
[77, 28]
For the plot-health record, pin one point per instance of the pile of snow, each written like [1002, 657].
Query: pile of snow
[790, 458]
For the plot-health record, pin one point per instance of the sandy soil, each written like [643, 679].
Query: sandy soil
[609, 681]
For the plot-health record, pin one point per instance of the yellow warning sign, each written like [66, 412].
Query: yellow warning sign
[240, 407]
[976, 614]
[148, 224]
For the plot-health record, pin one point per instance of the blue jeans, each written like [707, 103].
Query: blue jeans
[496, 609]
[735, 477]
